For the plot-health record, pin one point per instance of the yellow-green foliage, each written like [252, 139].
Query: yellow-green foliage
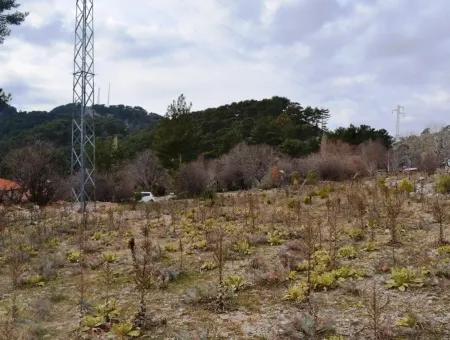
[125, 330]
[444, 250]
[312, 178]
[323, 281]
[200, 245]
[308, 200]
[370, 247]
[345, 272]
[234, 283]
[321, 260]
[35, 280]
[110, 257]
[293, 275]
[443, 184]
[274, 238]
[74, 256]
[208, 265]
[348, 252]
[324, 192]
[243, 247]
[406, 186]
[91, 322]
[356, 234]
[409, 321]
[328, 280]
[297, 293]
[402, 278]
[171, 248]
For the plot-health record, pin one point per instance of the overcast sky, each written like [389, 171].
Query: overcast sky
[359, 58]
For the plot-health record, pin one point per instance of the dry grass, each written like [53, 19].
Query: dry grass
[201, 284]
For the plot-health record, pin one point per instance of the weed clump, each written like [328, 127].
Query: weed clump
[403, 278]
[443, 184]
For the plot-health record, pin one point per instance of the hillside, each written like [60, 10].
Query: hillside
[21, 128]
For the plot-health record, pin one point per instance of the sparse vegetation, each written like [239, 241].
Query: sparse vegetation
[231, 254]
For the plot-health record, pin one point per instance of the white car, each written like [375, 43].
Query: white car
[147, 197]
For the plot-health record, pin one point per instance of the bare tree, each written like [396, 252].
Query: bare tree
[35, 169]
[149, 174]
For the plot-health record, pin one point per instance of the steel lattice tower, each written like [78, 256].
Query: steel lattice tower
[83, 134]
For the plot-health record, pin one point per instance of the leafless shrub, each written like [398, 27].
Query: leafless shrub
[440, 213]
[149, 174]
[376, 306]
[193, 179]
[35, 169]
[244, 166]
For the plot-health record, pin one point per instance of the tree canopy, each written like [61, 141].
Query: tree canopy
[356, 135]
[9, 15]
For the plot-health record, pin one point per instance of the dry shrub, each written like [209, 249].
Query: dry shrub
[245, 166]
[115, 186]
[333, 167]
[429, 162]
[193, 179]
[148, 173]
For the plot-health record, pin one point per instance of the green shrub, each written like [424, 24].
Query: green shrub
[323, 281]
[356, 234]
[234, 283]
[443, 184]
[297, 293]
[444, 250]
[207, 266]
[74, 256]
[348, 252]
[308, 200]
[243, 247]
[171, 247]
[274, 238]
[403, 278]
[406, 186]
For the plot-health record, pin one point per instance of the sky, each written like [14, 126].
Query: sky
[358, 58]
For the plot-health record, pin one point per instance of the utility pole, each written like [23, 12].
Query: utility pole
[109, 93]
[83, 134]
[399, 111]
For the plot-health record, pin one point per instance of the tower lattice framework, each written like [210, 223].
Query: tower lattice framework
[83, 134]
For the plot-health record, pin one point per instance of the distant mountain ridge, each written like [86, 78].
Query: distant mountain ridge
[20, 128]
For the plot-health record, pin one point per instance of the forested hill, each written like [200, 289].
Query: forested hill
[288, 126]
[181, 136]
[21, 128]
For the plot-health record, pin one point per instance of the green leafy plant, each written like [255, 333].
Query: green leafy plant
[356, 234]
[348, 252]
[243, 247]
[208, 265]
[274, 238]
[443, 184]
[125, 330]
[409, 321]
[444, 250]
[323, 281]
[235, 283]
[406, 186]
[403, 278]
[74, 256]
[297, 293]
[171, 248]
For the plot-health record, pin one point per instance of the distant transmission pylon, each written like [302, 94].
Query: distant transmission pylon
[399, 111]
[83, 134]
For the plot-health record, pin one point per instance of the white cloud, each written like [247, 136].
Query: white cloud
[359, 59]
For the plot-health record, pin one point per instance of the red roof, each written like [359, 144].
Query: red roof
[8, 185]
